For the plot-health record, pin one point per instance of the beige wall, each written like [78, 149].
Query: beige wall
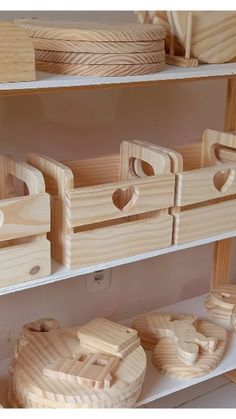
[93, 122]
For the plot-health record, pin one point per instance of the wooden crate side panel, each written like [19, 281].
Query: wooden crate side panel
[95, 171]
[24, 216]
[94, 204]
[210, 139]
[25, 262]
[199, 185]
[191, 154]
[199, 223]
[108, 243]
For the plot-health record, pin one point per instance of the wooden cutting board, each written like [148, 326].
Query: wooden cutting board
[56, 369]
[97, 32]
[102, 59]
[97, 47]
[100, 70]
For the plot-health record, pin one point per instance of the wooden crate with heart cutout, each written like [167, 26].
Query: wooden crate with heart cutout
[205, 203]
[109, 207]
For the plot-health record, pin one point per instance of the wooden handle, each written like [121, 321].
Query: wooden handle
[58, 172]
[140, 159]
[210, 140]
[24, 172]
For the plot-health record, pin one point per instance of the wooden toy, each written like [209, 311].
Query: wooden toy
[96, 49]
[57, 369]
[16, 54]
[221, 301]
[204, 200]
[24, 222]
[99, 215]
[207, 36]
[183, 346]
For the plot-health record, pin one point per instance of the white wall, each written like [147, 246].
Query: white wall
[94, 122]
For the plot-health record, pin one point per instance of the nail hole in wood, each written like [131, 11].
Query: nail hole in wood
[34, 270]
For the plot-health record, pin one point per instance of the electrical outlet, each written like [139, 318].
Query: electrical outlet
[98, 281]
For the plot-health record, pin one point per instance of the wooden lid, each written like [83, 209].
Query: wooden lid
[85, 31]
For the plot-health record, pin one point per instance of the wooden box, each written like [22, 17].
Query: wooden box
[109, 207]
[205, 203]
[24, 222]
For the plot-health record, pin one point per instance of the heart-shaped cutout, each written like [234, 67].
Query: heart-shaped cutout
[124, 199]
[223, 179]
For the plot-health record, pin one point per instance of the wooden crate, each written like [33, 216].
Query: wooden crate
[109, 207]
[24, 222]
[205, 203]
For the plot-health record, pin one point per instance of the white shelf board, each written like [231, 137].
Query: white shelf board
[50, 81]
[60, 273]
[157, 385]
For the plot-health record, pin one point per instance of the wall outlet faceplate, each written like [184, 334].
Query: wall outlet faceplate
[98, 281]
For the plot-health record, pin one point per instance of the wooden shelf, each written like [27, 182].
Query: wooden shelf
[157, 385]
[60, 273]
[47, 82]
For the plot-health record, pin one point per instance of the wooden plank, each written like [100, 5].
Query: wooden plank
[181, 61]
[93, 58]
[25, 262]
[191, 154]
[199, 223]
[97, 47]
[100, 70]
[100, 203]
[123, 240]
[210, 140]
[84, 31]
[24, 216]
[205, 184]
[16, 54]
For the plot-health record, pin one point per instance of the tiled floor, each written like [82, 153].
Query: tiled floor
[219, 392]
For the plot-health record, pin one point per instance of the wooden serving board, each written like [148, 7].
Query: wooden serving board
[101, 59]
[118, 47]
[82, 31]
[48, 373]
[100, 70]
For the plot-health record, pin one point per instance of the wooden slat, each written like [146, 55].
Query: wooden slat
[94, 204]
[199, 185]
[212, 138]
[191, 154]
[24, 262]
[199, 223]
[24, 216]
[108, 243]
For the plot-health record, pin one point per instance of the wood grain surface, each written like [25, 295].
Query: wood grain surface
[116, 47]
[82, 31]
[90, 58]
[99, 69]
[31, 388]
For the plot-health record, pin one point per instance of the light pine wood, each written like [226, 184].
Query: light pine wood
[191, 154]
[106, 243]
[212, 139]
[93, 204]
[213, 33]
[102, 59]
[97, 47]
[105, 220]
[24, 222]
[222, 301]
[205, 184]
[166, 360]
[93, 371]
[188, 39]
[37, 381]
[108, 337]
[209, 220]
[181, 61]
[16, 54]
[82, 31]
[223, 249]
[100, 69]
